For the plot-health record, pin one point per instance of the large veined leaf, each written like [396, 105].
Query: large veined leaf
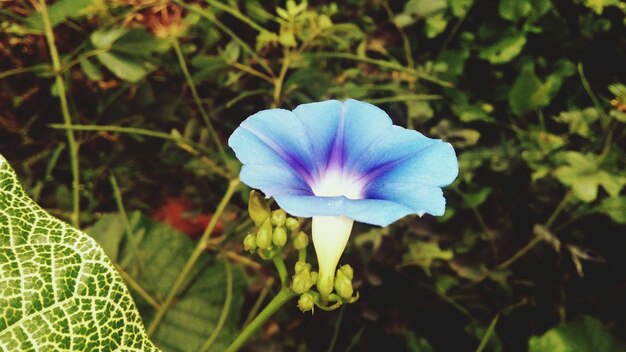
[58, 290]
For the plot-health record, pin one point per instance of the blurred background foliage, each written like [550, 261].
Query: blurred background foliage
[530, 253]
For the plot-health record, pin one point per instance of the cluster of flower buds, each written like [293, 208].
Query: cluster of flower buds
[271, 235]
[304, 279]
[270, 238]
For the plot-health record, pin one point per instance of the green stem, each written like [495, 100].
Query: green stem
[488, 333]
[252, 71]
[385, 64]
[596, 103]
[406, 97]
[356, 338]
[520, 253]
[195, 255]
[134, 243]
[225, 309]
[196, 99]
[20, 70]
[282, 270]
[405, 39]
[557, 211]
[333, 341]
[137, 287]
[284, 296]
[259, 301]
[65, 111]
[237, 14]
[536, 240]
[182, 142]
[278, 82]
[132, 130]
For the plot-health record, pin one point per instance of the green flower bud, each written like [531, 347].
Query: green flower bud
[258, 208]
[300, 266]
[302, 281]
[264, 235]
[301, 240]
[292, 224]
[279, 237]
[346, 270]
[343, 282]
[306, 302]
[279, 217]
[249, 243]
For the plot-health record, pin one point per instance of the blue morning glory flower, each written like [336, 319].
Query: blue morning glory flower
[339, 162]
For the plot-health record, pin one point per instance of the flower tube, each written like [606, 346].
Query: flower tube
[340, 162]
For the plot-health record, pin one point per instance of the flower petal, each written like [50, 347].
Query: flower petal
[274, 137]
[420, 198]
[364, 123]
[274, 179]
[371, 211]
[415, 179]
[431, 162]
[321, 120]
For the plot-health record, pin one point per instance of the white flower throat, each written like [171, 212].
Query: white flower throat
[335, 183]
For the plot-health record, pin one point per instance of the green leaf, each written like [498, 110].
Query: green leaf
[598, 5]
[163, 251]
[476, 198]
[615, 208]
[583, 334]
[459, 8]
[527, 92]
[584, 176]
[418, 9]
[230, 54]
[104, 39]
[423, 253]
[58, 12]
[424, 8]
[515, 10]
[140, 43]
[58, 290]
[209, 68]
[124, 67]
[470, 113]
[504, 50]
[435, 25]
[579, 120]
[403, 20]
[92, 71]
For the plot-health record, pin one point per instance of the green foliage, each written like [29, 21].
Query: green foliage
[59, 12]
[59, 290]
[154, 255]
[582, 334]
[583, 174]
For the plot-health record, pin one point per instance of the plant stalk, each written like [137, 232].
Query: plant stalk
[65, 111]
[284, 296]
